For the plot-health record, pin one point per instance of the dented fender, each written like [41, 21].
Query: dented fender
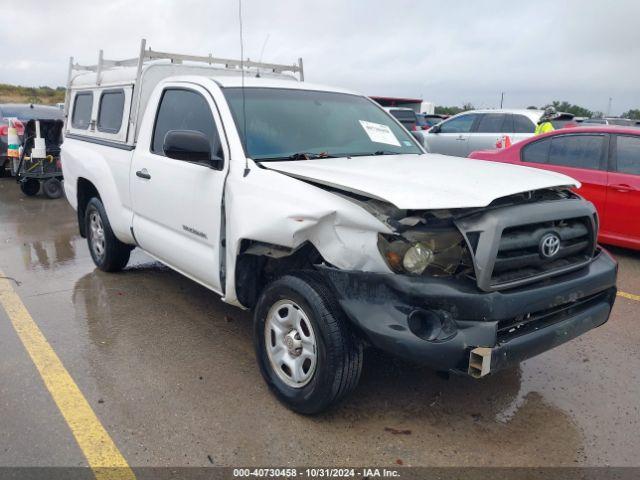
[267, 206]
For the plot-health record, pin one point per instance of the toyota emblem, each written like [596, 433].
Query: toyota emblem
[549, 245]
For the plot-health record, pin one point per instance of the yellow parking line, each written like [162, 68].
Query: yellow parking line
[630, 296]
[103, 456]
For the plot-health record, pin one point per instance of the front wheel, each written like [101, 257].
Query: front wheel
[108, 253]
[306, 351]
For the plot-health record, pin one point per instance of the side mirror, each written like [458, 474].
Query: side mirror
[435, 129]
[418, 136]
[190, 146]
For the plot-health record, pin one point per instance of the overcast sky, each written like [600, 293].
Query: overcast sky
[448, 52]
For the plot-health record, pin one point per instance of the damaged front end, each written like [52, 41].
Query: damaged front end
[430, 246]
[472, 291]
[420, 242]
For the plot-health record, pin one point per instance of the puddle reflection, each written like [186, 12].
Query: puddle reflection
[46, 254]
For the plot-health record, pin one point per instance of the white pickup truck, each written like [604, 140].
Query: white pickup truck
[318, 210]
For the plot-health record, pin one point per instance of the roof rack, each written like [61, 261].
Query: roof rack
[147, 55]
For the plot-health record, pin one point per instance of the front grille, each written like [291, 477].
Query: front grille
[511, 328]
[506, 241]
[519, 253]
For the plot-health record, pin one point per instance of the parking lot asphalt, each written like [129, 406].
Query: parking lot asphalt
[170, 373]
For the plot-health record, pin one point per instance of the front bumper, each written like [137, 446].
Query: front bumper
[379, 305]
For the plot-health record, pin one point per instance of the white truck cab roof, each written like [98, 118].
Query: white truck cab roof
[271, 82]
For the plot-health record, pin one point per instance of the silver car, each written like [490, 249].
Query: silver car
[480, 130]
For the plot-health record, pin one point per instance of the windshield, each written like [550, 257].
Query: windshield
[297, 124]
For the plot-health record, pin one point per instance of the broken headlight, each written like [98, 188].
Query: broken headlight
[438, 252]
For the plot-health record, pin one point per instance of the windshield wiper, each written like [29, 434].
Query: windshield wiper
[385, 152]
[370, 154]
[308, 156]
[297, 156]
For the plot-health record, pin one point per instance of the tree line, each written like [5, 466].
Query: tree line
[42, 95]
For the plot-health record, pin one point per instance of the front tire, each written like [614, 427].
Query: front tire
[306, 351]
[108, 253]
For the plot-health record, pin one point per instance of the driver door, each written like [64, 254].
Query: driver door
[177, 203]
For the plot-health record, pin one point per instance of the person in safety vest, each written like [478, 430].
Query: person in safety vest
[544, 124]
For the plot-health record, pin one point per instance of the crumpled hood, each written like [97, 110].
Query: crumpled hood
[423, 182]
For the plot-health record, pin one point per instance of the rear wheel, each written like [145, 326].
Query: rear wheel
[30, 187]
[3, 168]
[108, 253]
[306, 351]
[52, 188]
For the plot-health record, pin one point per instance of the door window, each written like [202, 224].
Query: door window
[537, 152]
[628, 154]
[182, 109]
[492, 123]
[110, 112]
[461, 124]
[522, 124]
[82, 105]
[578, 151]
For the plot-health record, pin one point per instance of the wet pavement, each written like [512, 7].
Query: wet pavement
[170, 372]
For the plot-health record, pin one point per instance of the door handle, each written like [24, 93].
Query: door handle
[623, 187]
[461, 138]
[143, 174]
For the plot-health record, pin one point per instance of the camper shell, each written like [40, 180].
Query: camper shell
[129, 83]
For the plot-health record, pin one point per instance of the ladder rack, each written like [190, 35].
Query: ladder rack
[148, 55]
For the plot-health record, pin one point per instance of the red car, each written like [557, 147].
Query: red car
[605, 159]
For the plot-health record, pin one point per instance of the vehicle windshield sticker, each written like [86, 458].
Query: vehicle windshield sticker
[379, 133]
